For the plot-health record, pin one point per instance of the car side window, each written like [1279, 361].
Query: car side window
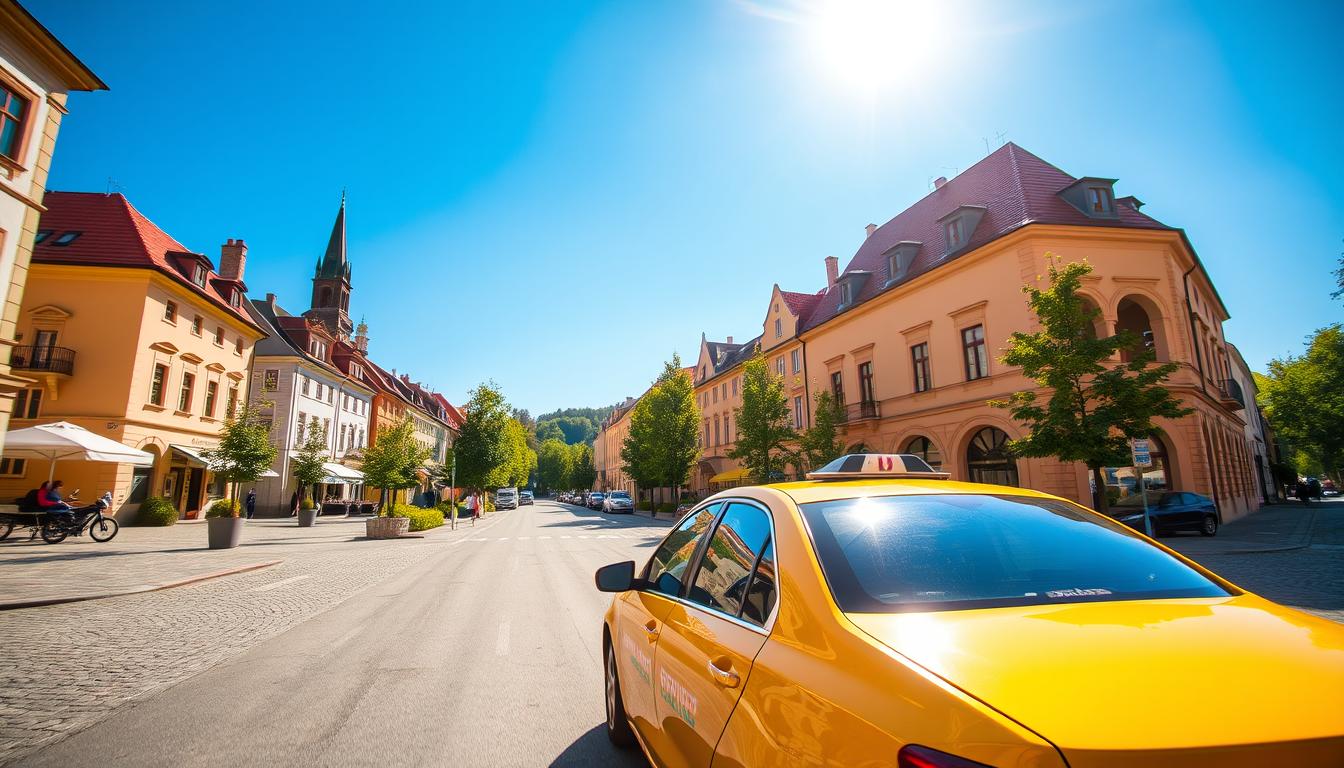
[667, 569]
[761, 592]
[723, 578]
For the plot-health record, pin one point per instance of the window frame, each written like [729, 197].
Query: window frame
[11, 467]
[24, 131]
[920, 367]
[1100, 200]
[693, 565]
[186, 391]
[838, 387]
[867, 389]
[211, 399]
[170, 312]
[199, 275]
[981, 349]
[197, 326]
[162, 385]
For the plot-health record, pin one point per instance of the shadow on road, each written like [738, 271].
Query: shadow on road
[593, 749]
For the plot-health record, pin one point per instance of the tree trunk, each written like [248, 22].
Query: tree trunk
[1103, 502]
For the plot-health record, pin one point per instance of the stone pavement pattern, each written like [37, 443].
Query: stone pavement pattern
[66, 666]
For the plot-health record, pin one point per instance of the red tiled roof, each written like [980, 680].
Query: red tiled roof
[1016, 188]
[114, 233]
[801, 304]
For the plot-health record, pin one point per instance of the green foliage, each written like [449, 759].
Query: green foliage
[519, 460]
[667, 508]
[764, 429]
[662, 444]
[1095, 408]
[223, 508]
[583, 474]
[394, 456]
[572, 429]
[156, 511]
[549, 430]
[245, 450]
[555, 464]
[484, 445]
[421, 519]
[821, 442]
[1303, 398]
[307, 462]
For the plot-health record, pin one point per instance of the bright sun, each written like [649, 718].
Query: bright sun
[871, 45]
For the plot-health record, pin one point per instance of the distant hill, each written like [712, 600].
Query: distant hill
[573, 425]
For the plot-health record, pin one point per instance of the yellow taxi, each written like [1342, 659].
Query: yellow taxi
[879, 614]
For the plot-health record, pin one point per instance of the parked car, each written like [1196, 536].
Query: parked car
[595, 500]
[506, 498]
[525, 497]
[1170, 512]
[925, 623]
[618, 502]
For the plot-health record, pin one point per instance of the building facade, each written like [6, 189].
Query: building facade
[718, 393]
[36, 74]
[611, 434]
[1259, 438]
[127, 333]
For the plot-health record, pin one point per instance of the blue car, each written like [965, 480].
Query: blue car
[1171, 512]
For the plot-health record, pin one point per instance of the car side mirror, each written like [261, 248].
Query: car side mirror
[617, 577]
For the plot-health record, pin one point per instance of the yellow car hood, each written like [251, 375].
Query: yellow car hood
[1188, 682]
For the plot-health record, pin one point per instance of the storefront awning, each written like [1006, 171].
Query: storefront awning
[196, 458]
[731, 476]
[339, 474]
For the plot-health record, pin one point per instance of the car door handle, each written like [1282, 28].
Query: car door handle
[651, 629]
[726, 678]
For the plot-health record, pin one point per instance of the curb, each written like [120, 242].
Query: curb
[16, 604]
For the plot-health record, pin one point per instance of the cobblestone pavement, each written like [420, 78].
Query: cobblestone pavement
[68, 666]
[1310, 578]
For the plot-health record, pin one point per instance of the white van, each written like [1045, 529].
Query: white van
[506, 498]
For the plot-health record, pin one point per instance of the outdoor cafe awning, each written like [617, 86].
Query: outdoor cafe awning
[731, 476]
[196, 458]
[339, 474]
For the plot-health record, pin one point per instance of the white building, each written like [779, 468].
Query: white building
[1258, 439]
[36, 72]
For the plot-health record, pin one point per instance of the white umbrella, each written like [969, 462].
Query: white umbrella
[63, 440]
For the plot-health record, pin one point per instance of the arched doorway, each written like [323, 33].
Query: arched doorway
[924, 448]
[1131, 315]
[1097, 327]
[987, 459]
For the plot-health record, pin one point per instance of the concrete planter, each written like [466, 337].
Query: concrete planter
[224, 532]
[307, 517]
[387, 527]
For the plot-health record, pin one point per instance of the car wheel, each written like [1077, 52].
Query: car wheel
[1210, 526]
[618, 727]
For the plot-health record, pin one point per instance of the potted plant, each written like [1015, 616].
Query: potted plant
[244, 453]
[309, 468]
[224, 524]
[390, 464]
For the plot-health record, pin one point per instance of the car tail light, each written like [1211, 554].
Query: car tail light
[915, 756]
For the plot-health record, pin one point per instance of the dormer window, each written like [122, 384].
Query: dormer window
[42, 234]
[1094, 197]
[899, 259]
[235, 297]
[66, 238]
[356, 371]
[959, 226]
[846, 294]
[198, 274]
[1099, 200]
[850, 284]
[318, 349]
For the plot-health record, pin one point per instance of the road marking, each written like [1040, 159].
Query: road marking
[521, 538]
[565, 537]
[280, 583]
[543, 537]
[503, 538]
[502, 640]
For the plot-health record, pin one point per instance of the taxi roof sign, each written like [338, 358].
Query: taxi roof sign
[877, 465]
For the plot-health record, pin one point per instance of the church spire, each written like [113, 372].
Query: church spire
[334, 263]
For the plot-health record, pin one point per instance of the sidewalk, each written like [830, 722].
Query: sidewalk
[1277, 528]
[33, 572]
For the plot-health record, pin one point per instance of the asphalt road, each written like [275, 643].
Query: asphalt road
[487, 654]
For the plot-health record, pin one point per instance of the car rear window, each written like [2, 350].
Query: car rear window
[942, 552]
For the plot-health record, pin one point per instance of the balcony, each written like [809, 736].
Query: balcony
[860, 411]
[43, 359]
[1230, 394]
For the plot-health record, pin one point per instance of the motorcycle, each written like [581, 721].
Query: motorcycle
[56, 526]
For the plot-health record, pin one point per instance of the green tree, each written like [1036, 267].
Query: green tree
[484, 450]
[662, 444]
[1303, 398]
[245, 450]
[549, 430]
[584, 474]
[518, 460]
[555, 462]
[1095, 407]
[307, 463]
[821, 443]
[393, 460]
[765, 434]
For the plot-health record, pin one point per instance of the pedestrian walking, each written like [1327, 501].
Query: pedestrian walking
[1303, 491]
[294, 503]
[251, 502]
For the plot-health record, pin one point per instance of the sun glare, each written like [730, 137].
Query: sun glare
[872, 45]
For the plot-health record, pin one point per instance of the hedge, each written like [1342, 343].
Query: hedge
[156, 511]
[421, 519]
[223, 508]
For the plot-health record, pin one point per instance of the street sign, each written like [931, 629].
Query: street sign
[1142, 455]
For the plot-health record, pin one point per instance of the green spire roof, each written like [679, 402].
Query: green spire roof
[333, 263]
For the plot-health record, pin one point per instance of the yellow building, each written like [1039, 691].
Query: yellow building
[36, 72]
[607, 445]
[134, 337]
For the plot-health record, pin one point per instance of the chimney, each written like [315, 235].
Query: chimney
[832, 271]
[870, 229]
[730, 340]
[232, 259]
[939, 182]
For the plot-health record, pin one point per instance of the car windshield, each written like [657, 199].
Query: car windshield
[620, 495]
[943, 552]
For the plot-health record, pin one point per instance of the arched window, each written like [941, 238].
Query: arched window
[924, 448]
[987, 459]
[1123, 483]
[858, 448]
[1131, 316]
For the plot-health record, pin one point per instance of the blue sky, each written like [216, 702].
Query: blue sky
[557, 196]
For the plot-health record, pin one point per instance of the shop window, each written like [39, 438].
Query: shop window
[987, 458]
